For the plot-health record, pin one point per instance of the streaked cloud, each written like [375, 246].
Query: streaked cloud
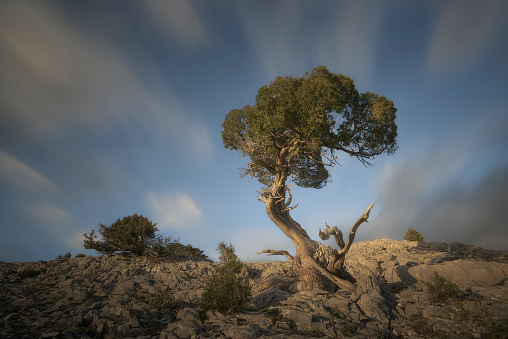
[22, 176]
[443, 191]
[289, 35]
[58, 80]
[75, 240]
[179, 20]
[350, 45]
[464, 33]
[47, 212]
[173, 210]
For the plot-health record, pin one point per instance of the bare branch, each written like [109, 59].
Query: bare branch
[273, 252]
[290, 208]
[325, 235]
[363, 218]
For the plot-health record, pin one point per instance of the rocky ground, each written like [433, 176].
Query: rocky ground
[119, 297]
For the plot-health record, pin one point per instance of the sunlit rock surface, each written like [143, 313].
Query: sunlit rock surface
[112, 297]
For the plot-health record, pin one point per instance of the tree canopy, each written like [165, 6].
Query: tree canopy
[297, 126]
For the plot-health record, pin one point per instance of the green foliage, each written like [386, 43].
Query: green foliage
[80, 255]
[229, 288]
[136, 234]
[441, 289]
[130, 234]
[227, 253]
[163, 299]
[169, 248]
[412, 235]
[28, 273]
[67, 255]
[310, 118]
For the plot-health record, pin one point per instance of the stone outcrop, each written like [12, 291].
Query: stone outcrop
[126, 297]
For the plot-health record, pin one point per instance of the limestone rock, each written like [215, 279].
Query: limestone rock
[114, 297]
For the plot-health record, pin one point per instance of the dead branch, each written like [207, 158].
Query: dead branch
[328, 231]
[273, 252]
[363, 218]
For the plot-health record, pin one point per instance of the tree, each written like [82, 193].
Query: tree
[129, 234]
[293, 132]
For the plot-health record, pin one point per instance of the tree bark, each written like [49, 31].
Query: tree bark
[315, 266]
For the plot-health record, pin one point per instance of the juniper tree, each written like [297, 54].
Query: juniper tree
[292, 134]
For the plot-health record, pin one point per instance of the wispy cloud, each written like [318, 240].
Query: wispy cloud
[351, 42]
[58, 80]
[47, 212]
[443, 191]
[174, 210]
[22, 176]
[465, 31]
[340, 35]
[179, 20]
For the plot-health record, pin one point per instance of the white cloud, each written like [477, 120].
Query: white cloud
[75, 241]
[179, 20]
[464, 32]
[22, 176]
[174, 210]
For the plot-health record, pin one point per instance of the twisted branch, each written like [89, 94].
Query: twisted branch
[273, 252]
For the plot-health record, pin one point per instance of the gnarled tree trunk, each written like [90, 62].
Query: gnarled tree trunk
[316, 266]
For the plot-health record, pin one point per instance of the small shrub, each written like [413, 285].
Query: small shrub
[136, 235]
[188, 250]
[441, 289]
[412, 235]
[163, 299]
[130, 234]
[421, 324]
[28, 273]
[229, 289]
[80, 255]
[67, 255]
[379, 269]
[169, 248]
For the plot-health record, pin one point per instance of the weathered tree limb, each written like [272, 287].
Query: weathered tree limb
[363, 218]
[328, 231]
[273, 252]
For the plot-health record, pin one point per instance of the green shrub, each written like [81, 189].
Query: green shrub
[67, 255]
[80, 255]
[166, 247]
[163, 299]
[28, 273]
[412, 235]
[130, 234]
[441, 289]
[229, 289]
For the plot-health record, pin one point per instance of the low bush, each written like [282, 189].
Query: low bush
[136, 235]
[441, 289]
[412, 235]
[28, 273]
[162, 299]
[229, 288]
[130, 234]
[169, 248]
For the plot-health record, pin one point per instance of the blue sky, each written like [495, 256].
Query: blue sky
[109, 109]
